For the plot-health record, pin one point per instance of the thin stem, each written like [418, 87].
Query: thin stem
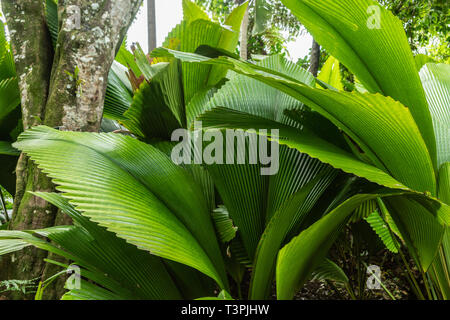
[444, 263]
[439, 282]
[380, 282]
[425, 282]
[49, 281]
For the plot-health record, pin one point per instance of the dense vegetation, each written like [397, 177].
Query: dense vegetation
[360, 174]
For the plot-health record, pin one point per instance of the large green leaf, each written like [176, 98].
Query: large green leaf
[302, 140]
[252, 205]
[268, 102]
[243, 191]
[120, 271]
[139, 273]
[385, 131]
[303, 254]
[51, 17]
[9, 96]
[133, 190]
[262, 16]
[197, 30]
[436, 82]
[119, 95]
[7, 66]
[150, 115]
[12, 241]
[371, 42]
[382, 127]
[173, 85]
[292, 213]
[420, 230]
[440, 271]
[192, 12]
[444, 183]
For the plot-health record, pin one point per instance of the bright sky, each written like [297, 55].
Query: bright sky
[169, 13]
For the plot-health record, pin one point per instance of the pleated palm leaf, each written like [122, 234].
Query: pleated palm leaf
[392, 130]
[279, 206]
[135, 191]
[167, 86]
[267, 209]
[118, 99]
[163, 104]
[116, 269]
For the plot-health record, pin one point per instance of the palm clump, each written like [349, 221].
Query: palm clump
[146, 228]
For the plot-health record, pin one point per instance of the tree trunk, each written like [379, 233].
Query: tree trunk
[90, 35]
[315, 58]
[244, 33]
[151, 16]
[32, 50]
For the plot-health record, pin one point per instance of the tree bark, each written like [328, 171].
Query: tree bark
[33, 54]
[65, 90]
[151, 16]
[315, 58]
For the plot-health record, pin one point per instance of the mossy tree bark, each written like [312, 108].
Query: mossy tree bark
[64, 88]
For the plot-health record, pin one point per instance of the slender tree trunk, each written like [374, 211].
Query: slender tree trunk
[151, 16]
[33, 54]
[315, 58]
[89, 37]
[244, 33]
